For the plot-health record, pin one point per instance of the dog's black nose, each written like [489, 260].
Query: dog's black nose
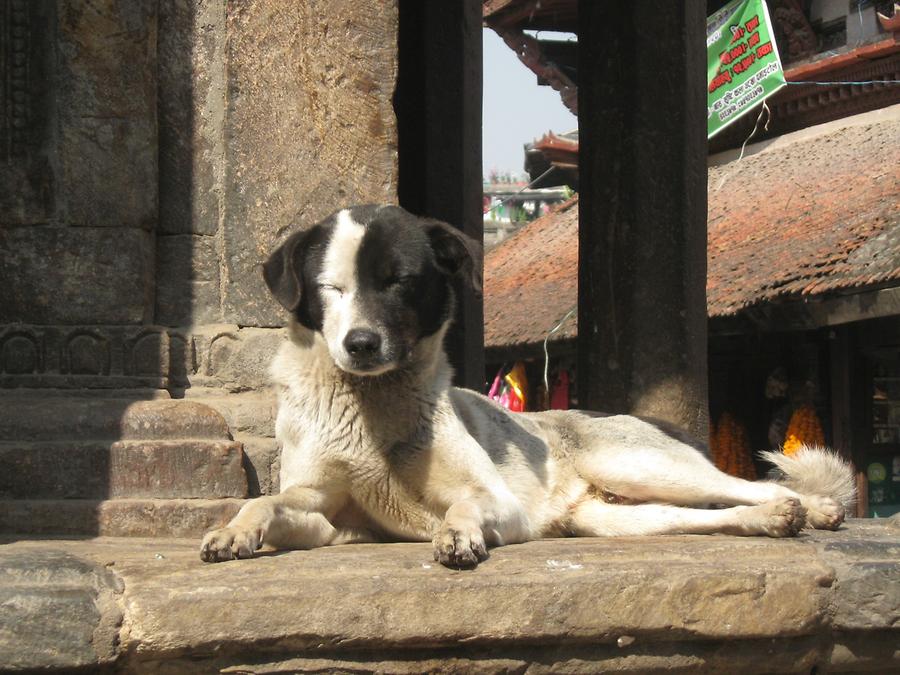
[361, 342]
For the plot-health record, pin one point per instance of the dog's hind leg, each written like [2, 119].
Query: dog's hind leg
[672, 475]
[594, 518]
[298, 518]
[681, 475]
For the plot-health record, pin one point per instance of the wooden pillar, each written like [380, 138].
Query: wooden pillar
[839, 370]
[438, 106]
[642, 320]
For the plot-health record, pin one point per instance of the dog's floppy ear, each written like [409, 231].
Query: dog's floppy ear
[281, 272]
[456, 253]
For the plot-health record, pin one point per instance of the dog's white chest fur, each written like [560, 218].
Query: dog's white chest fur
[363, 442]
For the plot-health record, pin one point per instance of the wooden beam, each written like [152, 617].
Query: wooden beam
[438, 105]
[817, 312]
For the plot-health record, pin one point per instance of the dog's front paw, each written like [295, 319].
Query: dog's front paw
[229, 543]
[459, 547]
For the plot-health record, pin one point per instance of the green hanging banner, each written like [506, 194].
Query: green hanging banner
[743, 67]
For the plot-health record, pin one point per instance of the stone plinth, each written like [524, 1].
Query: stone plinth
[114, 466]
[826, 601]
[159, 469]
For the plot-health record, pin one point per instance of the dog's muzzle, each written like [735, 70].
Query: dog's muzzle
[363, 346]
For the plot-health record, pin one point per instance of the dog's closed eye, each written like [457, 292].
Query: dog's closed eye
[331, 288]
[401, 280]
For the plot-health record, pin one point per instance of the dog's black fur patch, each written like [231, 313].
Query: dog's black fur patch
[405, 266]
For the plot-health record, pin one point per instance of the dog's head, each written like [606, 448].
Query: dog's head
[373, 281]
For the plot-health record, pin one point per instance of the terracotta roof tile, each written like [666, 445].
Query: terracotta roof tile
[822, 215]
[818, 216]
[530, 280]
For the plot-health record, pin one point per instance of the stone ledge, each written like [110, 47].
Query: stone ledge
[116, 517]
[141, 469]
[93, 418]
[826, 600]
[58, 611]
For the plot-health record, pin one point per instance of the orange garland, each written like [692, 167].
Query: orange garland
[803, 429]
[731, 448]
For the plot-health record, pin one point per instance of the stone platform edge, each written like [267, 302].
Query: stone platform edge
[824, 602]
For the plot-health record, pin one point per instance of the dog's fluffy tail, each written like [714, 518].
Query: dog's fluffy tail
[816, 471]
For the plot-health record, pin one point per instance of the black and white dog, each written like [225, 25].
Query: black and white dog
[378, 446]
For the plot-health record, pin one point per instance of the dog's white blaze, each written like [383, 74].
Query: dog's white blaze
[339, 265]
[341, 311]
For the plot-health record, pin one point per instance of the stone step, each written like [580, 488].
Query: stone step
[129, 393]
[28, 418]
[150, 469]
[263, 464]
[249, 412]
[116, 517]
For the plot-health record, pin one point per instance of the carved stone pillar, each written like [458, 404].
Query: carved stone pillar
[78, 147]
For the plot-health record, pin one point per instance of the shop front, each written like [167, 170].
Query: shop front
[878, 453]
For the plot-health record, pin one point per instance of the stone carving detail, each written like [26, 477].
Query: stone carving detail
[94, 356]
[86, 353]
[220, 352]
[222, 356]
[795, 36]
[25, 173]
[232, 358]
[21, 353]
[15, 45]
[146, 354]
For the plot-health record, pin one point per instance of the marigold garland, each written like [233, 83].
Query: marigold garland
[803, 429]
[731, 448]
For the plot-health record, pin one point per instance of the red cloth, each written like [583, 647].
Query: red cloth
[559, 398]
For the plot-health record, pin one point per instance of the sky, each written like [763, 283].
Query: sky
[515, 110]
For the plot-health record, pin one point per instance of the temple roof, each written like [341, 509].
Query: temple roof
[810, 215]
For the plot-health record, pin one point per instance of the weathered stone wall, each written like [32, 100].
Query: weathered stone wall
[153, 153]
[79, 171]
[272, 115]
[310, 128]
